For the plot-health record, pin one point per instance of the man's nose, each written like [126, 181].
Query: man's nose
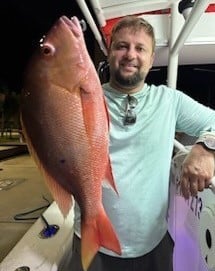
[131, 52]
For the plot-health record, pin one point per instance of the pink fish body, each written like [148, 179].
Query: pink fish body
[65, 122]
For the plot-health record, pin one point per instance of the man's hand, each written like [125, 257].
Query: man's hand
[197, 171]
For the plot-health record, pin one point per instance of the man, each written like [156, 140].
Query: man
[143, 122]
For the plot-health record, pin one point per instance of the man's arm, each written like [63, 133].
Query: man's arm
[197, 170]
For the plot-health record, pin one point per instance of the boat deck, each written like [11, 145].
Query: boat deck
[22, 189]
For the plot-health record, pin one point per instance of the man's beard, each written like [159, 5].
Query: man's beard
[129, 81]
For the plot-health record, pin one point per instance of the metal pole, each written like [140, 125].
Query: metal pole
[176, 45]
[198, 9]
[84, 8]
[172, 71]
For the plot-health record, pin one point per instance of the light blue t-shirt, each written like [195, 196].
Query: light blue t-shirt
[140, 157]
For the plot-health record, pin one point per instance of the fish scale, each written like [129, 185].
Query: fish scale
[66, 127]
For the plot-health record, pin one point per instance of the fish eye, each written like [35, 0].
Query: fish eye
[47, 49]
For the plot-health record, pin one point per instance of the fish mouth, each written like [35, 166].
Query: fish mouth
[73, 24]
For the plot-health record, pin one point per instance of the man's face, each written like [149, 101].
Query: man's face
[131, 57]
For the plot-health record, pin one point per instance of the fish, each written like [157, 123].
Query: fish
[65, 122]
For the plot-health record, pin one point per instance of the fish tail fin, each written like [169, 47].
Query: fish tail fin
[109, 177]
[96, 233]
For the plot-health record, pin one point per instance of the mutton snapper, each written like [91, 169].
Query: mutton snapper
[65, 123]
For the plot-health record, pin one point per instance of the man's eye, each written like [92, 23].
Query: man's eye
[140, 49]
[121, 46]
